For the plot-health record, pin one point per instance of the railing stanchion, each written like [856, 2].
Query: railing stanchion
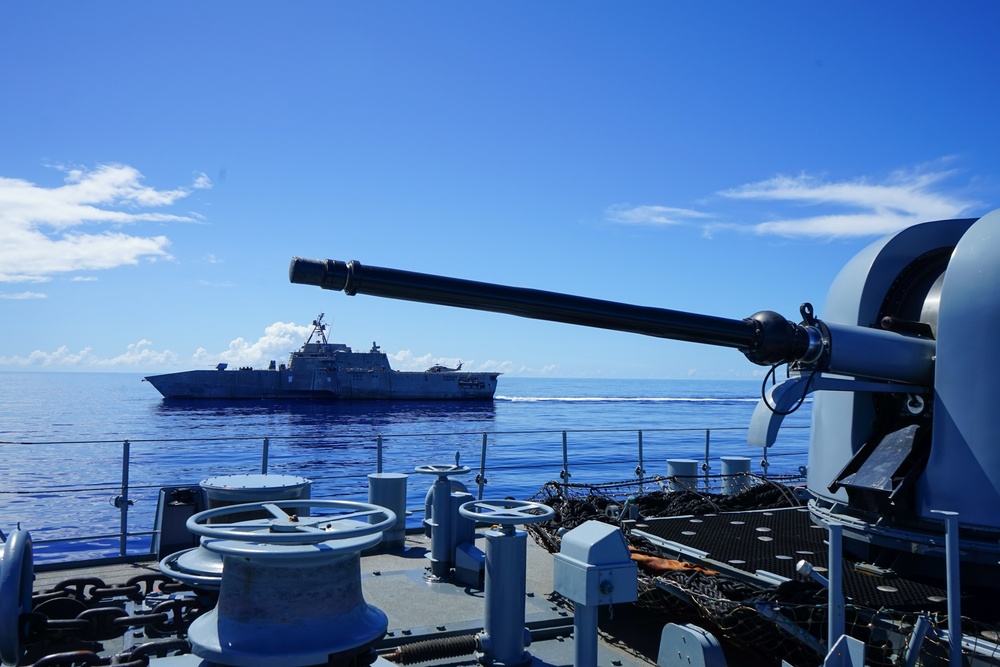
[706, 467]
[481, 477]
[565, 474]
[640, 469]
[123, 501]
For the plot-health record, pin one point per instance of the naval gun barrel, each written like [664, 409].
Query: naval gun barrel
[766, 338]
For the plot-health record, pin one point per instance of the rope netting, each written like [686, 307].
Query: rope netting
[771, 622]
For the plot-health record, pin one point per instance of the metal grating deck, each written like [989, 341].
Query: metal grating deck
[774, 541]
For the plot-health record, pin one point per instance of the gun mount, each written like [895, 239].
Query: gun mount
[902, 415]
[766, 338]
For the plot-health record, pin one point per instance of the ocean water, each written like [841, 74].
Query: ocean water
[62, 438]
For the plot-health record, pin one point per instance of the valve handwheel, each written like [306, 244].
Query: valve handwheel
[442, 469]
[342, 520]
[17, 576]
[506, 512]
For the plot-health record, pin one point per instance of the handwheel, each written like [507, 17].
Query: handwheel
[506, 512]
[348, 520]
[17, 576]
[442, 470]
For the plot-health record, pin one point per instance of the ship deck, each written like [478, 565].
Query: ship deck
[419, 609]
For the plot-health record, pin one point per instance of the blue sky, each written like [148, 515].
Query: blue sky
[160, 164]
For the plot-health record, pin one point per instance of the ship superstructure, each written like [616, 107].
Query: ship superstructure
[324, 370]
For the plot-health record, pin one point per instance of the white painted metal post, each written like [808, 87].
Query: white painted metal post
[954, 585]
[835, 607]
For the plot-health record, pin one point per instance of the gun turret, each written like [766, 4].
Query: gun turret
[766, 338]
[902, 365]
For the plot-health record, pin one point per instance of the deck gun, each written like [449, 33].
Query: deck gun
[902, 365]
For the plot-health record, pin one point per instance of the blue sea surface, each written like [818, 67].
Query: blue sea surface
[62, 438]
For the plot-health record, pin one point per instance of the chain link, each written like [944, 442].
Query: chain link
[86, 609]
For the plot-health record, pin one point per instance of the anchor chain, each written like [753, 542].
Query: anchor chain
[86, 609]
[137, 656]
[170, 617]
[90, 590]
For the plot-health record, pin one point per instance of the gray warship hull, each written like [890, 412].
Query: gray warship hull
[322, 370]
[325, 385]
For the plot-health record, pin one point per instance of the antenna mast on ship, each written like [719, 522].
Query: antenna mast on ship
[320, 329]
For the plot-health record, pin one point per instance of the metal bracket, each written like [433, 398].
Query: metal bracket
[780, 398]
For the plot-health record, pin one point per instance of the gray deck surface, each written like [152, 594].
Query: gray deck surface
[418, 608]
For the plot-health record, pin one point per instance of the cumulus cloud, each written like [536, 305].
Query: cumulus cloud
[45, 231]
[405, 360]
[278, 340]
[136, 355]
[845, 208]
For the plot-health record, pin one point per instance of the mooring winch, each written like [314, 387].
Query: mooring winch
[291, 584]
[197, 566]
[901, 365]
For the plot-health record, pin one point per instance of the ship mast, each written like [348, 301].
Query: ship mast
[318, 329]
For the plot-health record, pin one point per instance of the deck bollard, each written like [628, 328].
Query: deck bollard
[735, 474]
[388, 489]
[683, 474]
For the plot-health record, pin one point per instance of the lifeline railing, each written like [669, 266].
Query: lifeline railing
[123, 501]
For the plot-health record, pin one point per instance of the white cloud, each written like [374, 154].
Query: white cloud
[901, 200]
[405, 360]
[651, 215]
[278, 340]
[137, 355]
[41, 227]
[25, 295]
[847, 208]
